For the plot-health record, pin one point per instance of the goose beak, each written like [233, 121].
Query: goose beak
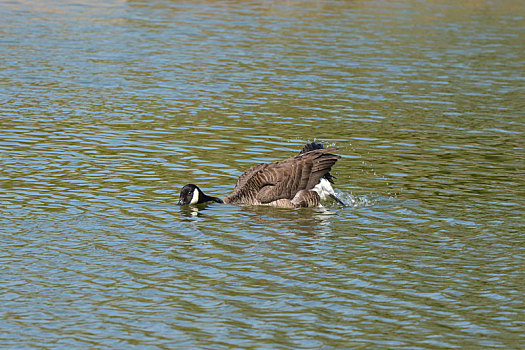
[334, 197]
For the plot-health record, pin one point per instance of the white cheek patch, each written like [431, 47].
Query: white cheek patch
[195, 197]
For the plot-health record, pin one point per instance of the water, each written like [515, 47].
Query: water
[108, 108]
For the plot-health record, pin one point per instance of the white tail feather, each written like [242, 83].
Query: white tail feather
[324, 189]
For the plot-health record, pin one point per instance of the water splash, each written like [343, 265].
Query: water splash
[360, 201]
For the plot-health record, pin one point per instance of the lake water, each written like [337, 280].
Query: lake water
[109, 107]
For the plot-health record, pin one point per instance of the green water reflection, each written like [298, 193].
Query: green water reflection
[108, 108]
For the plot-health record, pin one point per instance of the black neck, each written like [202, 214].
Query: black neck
[212, 199]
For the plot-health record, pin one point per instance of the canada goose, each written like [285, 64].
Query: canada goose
[300, 181]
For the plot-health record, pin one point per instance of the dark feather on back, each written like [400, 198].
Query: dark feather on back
[311, 146]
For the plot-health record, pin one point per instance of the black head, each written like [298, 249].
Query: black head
[191, 194]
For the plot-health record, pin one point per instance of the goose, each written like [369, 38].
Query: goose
[300, 181]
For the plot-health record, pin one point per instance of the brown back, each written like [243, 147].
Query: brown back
[268, 182]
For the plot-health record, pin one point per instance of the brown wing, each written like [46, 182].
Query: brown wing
[248, 174]
[268, 182]
[247, 185]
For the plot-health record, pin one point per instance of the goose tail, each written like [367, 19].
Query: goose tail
[312, 147]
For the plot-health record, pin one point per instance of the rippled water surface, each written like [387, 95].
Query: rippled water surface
[108, 108]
